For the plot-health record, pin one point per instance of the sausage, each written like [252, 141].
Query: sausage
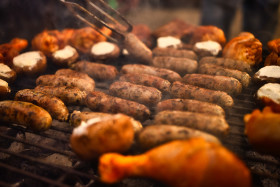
[147, 80]
[61, 80]
[24, 113]
[96, 70]
[227, 63]
[137, 48]
[99, 101]
[77, 117]
[191, 106]
[214, 82]
[73, 73]
[141, 94]
[159, 72]
[186, 91]
[179, 65]
[212, 69]
[155, 135]
[69, 95]
[181, 53]
[52, 104]
[216, 125]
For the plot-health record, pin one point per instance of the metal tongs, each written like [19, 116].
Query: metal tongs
[98, 13]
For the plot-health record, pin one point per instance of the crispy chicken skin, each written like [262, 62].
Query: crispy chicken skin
[48, 41]
[263, 130]
[274, 45]
[9, 50]
[204, 33]
[193, 162]
[244, 47]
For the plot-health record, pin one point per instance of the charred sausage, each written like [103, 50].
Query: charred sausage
[52, 104]
[147, 80]
[191, 106]
[61, 80]
[96, 70]
[69, 95]
[212, 69]
[99, 101]
[179, 65]
[186, 91]
[159, 72]
[229, 85]
[216, 125]
[155, 135]
[181, 53]
[141, 94]
[25, 113]
[227, 63]
[73, 73]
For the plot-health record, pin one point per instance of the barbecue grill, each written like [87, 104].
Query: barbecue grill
[29, 158]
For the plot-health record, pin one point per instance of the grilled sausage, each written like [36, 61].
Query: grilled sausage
[159, 72]
[52, 104]
[179, 65]
[147, 80]
[191, 106]
[214, 82]
[186, 91]
[96, 70]
[141, 94]
[137, 48]
[155, 135]
[69, 95]
[227, 63]
[212, 69]
[61, 80]
[73, 73]
[24, 113]
[99, 101]
[216, 125]
[181, 53]
[77, 117]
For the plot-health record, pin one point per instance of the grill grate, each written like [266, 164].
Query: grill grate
[30, 158]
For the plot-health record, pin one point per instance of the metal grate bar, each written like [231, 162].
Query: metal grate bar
[62, 168]
[70, 154]
[32, 175]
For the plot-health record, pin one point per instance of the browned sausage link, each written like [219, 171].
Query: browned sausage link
[73, 73]
[99, 101]
[96, 70]
[137, 48]
[159, 72]
[216, 125]
[179, 65]
[77, 117]
[69, 95]
[191, 106]
[52, 104]
[24, 113]
[181, 53]
[212, 69]
[141, 94]
[186, 91]
[214, 82]
[155, 135]
[60, 80]
[227, 63]
[147, 80]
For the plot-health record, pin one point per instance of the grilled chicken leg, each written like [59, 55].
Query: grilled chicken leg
[179, 164]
